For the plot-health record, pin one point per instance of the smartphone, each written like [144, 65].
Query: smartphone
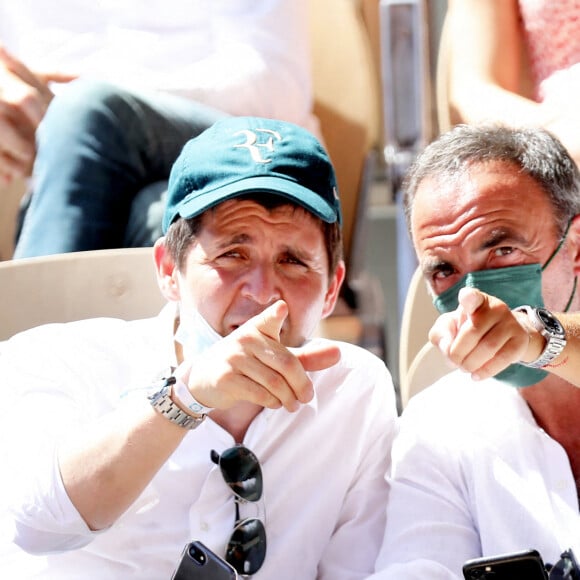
[198, 562]
[525, 565]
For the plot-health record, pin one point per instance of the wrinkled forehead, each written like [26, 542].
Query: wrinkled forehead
[494, 194]
[493, 182]
[271, 209]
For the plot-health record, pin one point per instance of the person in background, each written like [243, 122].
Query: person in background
[494, 42]
[487, 459]
[222, 419]
[149, 77]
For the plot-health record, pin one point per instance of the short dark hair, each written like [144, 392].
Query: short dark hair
[536, 152]
[183, 232]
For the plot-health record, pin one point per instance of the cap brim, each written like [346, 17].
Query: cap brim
[291, 190]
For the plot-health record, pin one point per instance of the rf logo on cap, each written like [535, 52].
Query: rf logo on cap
[241, 155]
[253, 146]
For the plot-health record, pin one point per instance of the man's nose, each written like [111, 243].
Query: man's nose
[261, 285]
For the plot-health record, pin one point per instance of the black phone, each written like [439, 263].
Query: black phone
[198, 562]
[525, 565]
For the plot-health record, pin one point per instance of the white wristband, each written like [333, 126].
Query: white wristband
[186, 399]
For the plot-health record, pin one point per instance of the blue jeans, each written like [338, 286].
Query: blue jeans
[103, 158]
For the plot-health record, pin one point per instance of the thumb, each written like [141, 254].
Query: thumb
[444, 331]
[270, 321]
[470, 299]
[56, 77]
[19, 69]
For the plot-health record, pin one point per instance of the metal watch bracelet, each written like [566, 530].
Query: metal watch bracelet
[162, 402]
[551, 330]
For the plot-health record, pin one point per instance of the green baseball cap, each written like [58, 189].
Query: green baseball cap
[240, 155]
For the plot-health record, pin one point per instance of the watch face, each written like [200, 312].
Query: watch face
[551, 323]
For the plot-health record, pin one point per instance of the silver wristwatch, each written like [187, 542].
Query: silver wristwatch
[551, 329]
[162, 402]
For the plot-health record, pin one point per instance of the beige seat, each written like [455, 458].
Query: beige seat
[119, 283]
[65, 287]
[420, 364]
[428, 366]
[419, 314]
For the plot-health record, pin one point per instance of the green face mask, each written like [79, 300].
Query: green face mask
[515, 285]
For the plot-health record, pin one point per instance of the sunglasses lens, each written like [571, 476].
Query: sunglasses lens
[246, 550]
[563, 569]
[241, 471]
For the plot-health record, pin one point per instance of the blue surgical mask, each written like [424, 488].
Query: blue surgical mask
[515, 285]
[195, 334]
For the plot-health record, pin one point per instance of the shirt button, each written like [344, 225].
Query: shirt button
[204, 526]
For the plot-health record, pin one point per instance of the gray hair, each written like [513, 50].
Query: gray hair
[535, 151]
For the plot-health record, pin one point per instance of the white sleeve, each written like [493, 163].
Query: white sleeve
[38, 408]
[43, 519]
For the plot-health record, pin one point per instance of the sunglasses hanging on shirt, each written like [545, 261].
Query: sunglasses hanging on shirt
[240, 469]
[566, 568]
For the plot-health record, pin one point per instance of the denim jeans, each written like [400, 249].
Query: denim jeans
[103, 159]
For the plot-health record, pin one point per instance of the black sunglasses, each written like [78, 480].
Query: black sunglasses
[241, 470]
[566, 568]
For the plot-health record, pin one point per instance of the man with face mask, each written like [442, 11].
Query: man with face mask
[487, 460]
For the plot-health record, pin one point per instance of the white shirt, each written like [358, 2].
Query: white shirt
[245, 57]
[473, 474]
[323, 466]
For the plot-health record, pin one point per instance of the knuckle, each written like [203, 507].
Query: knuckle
[286, 361]
[264, 398]
[276, 383]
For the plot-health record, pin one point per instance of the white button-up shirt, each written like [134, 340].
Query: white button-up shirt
[323, 466]
[473, 474]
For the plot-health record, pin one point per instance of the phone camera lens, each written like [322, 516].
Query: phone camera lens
[197, 555]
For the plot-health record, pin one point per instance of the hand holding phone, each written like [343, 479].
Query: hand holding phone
[198, 562]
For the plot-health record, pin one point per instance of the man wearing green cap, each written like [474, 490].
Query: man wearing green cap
[221, 420]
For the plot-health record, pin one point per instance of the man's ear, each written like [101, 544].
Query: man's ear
[166, 271]
[574, 239]
[333, 289]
